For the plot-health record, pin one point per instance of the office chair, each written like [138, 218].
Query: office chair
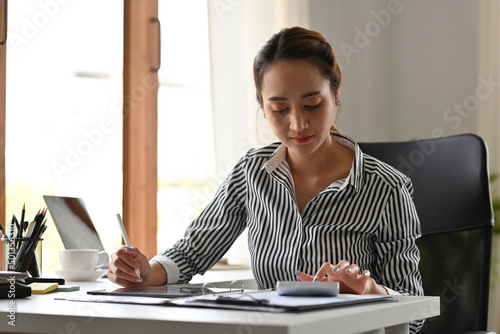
[452, 197]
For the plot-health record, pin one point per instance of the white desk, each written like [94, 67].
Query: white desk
[43, 314]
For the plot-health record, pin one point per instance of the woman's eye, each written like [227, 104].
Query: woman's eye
[281, 111]
[316, 106]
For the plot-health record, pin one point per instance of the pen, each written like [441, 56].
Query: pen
[127, 243]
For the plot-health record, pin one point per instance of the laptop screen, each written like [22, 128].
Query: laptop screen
[73, 222]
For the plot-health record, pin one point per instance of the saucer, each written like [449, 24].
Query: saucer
[81, 275]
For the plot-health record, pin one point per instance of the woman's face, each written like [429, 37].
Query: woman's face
[299, 105]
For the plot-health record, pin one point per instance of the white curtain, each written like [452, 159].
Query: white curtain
[237, 30]
[489, 70]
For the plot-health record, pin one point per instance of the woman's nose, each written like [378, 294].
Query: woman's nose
[297, 121]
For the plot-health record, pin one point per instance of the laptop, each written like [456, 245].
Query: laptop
[73, 222]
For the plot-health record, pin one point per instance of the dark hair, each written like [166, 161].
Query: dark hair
[297, 44]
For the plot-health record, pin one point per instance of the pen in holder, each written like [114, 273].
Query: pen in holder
[22, 245]
[23, 255]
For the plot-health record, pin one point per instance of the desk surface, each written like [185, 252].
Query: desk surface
[43, 314]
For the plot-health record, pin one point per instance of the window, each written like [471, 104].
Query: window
[186, 160]
[64, 105]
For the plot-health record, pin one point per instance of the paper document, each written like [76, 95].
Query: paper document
[268, 301]
[271, 301]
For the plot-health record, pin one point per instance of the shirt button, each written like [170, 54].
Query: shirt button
[313, 203]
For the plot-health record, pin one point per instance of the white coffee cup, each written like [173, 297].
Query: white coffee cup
[83, 259]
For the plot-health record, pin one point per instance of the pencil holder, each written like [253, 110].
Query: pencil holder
[23, 255]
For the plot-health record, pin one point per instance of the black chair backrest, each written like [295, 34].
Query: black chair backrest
[452, 197]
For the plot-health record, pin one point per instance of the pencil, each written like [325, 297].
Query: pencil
[25, 259]
[22, 217]
[4, 234]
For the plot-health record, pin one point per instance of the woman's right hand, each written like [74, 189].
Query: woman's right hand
[123, 264]
[349, 278]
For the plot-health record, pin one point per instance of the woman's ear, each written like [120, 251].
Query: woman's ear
[336, 96]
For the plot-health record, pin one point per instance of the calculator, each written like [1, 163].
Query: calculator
[293, 288]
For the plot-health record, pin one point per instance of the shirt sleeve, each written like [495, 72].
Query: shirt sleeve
[209, 236]
[398, 253]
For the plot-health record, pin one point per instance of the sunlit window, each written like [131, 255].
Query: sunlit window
[64, 105]
[185, 130]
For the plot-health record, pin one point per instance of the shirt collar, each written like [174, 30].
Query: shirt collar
[355, 177]
[276, 159]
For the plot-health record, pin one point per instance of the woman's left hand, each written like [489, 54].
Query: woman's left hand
[349, 278]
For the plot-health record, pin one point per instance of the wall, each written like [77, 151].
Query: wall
[417, 69]
[410, 67]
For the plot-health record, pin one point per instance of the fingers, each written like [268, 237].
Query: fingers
[123, 265]
[352, 270]
[340, 267]
[125, 282]
[304, 277]
[350, 278]
[132, 256]
[348, 275]
[329, 271]
[322, 273]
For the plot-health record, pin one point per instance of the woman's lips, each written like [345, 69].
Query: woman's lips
[302, 140]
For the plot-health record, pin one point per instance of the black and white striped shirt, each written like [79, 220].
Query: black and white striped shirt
[368, 219]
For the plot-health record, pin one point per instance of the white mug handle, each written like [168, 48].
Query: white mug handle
[103, 259]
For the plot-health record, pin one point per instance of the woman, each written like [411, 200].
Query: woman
[313, 203]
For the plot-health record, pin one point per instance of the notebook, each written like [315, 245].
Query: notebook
[73, 222]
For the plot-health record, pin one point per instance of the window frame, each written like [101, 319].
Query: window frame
[140, 123]
[3, 78]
